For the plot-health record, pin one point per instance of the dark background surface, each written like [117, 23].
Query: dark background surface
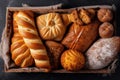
[53, 76]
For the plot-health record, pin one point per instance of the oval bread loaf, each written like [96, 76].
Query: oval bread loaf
[102, 52]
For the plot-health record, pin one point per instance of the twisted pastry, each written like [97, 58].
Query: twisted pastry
[50, 26]
[20, 52]
[26, 27]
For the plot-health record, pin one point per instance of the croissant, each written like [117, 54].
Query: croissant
[27, 29]
[19, 51]
[81, 17]
[85, 16]
[50, 26]
[74, 17]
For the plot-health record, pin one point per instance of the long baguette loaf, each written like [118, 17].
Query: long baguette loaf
[26, 27]
[19, 51]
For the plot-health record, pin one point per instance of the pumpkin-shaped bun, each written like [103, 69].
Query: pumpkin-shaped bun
[72, 60]
[50, 26]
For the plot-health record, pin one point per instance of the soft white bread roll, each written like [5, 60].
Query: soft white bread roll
[27, 29]
[19, 51]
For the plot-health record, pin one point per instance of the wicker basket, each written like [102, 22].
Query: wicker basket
[7, 33]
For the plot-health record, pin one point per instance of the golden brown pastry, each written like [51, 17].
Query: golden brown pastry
[19, 51]
[106, 30]
[85, 16]
[27, 29]
[72, 60]
[66, 20]
[74, 17]
[105, 15]
[54, 49]
[92, 12]
[81, 37]
[81, 17]
[50, 26]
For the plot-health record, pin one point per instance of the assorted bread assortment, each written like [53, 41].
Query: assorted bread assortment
[80, 39]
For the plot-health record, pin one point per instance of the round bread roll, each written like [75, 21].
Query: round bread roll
[72, 60]
[106, 30]
[104, 15]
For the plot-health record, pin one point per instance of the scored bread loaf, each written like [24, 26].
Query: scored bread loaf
[81, 37]
[19, 51]
[27, 29]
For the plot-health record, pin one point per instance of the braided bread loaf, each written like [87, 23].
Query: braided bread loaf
[20, 52]
[27, 29]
